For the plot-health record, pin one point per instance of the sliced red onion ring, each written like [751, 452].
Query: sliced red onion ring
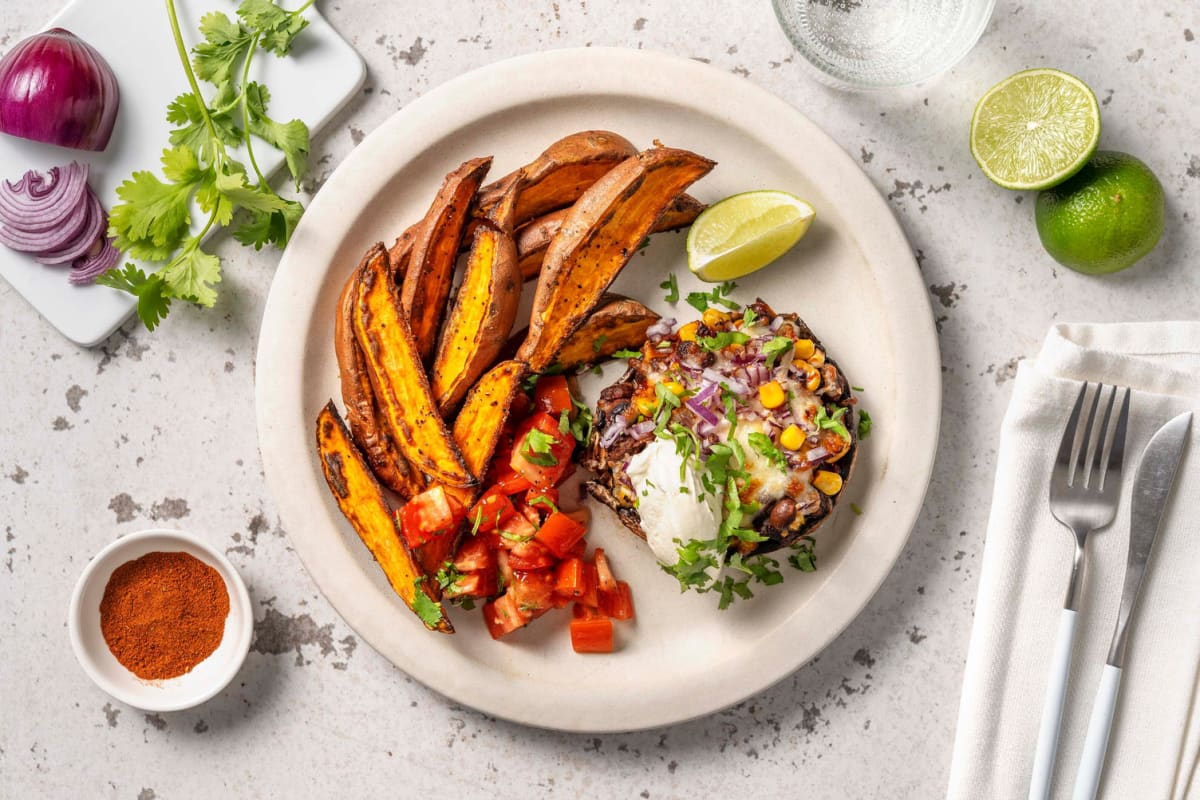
[87, 268]
[41, 212]
[95, 221]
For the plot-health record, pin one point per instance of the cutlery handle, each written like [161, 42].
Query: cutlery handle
[1087, 780]
[1056, 695]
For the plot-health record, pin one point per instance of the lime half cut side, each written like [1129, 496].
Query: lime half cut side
[745, 232]
[1035, 129]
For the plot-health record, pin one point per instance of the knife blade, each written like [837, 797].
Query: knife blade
[1151, 485]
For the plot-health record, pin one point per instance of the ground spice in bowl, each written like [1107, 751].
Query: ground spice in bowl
[163, 613]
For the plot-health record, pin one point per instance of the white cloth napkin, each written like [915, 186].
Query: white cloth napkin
[1026, 563]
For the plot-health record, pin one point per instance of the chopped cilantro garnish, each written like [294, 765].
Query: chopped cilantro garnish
[672, 288]
[598, 343]
[447, 576]
[762, 444]
[536, 449]
[748, 317]
[857, 511]
[530, 381]
[477, 521]
[864, 423]
[834, 423]
[718, 296]
[776, 347]
[722, 340]
[858, 388]
[803, 557]
[542, 499]
[627, 354]
[428, 609]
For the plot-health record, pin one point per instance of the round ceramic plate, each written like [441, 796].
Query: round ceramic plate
[852, 278]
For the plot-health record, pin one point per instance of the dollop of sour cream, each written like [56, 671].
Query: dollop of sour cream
[671, 508]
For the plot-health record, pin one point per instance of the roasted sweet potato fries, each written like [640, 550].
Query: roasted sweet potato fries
[429, 381]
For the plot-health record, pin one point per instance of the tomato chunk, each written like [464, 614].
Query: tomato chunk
[474, 554]
[552, 395]
[608, 583]
[482, 584]
[541, 452]
[570, 578]
[530, 555]
[502, 616]
[507, 482]
[593, 635]
[515, 530]
[618, 603]
[430, 514]
[490, 511]
[533, 591]
[559, 533]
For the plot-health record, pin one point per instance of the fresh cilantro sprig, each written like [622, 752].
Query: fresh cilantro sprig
[833, 422]
[864, 423]
[581, 426]
[429, 610]
[775, 347]
[721, 340]
[719, 296]
[153, 221]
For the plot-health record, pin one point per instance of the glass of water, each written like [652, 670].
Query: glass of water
[876, 44]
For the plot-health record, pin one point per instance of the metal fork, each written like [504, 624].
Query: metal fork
[1084, 489]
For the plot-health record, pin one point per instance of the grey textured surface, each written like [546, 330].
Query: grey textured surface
[159, 429]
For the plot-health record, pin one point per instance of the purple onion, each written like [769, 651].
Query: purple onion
[85, 240]
[95, 263]
[615, 429]
[56, 88]
[642, 428]
[702, 411]
[662, 328]
[816, 454]
[736, 386]
[708, 390]
[776, 323]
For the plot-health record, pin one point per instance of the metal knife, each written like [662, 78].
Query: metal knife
[1151, 486]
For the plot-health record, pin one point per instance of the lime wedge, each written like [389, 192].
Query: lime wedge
[745, 232]
[1035, 129]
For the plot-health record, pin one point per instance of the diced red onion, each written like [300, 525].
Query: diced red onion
[708, 391]
[758, 374]
[642, 428]
[701, 411]
[615, 428]
[705, 429]
[95, 262]
[736, 386]
[56, 88]
[816, 454]
[661, 328]
[775, 323]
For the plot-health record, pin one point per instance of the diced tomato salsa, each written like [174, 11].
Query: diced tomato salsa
[520, 552]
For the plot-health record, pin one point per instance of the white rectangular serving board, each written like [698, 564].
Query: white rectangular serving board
[312, 83]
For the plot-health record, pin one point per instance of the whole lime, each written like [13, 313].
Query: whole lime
[1105, 217]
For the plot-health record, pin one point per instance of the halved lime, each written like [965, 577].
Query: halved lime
[1035, 129]
[745, 232]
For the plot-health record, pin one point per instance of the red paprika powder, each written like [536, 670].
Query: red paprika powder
[163, 613]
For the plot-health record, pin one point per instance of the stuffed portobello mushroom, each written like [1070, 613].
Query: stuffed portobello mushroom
[728, 438]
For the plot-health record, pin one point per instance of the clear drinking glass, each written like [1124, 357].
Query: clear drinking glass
[875, 44]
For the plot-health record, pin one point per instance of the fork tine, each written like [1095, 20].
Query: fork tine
[1065, 452]
[1095, 467]
[1079, 455]
[1116, 451]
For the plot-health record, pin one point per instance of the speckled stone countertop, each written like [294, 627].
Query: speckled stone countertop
[158, 429]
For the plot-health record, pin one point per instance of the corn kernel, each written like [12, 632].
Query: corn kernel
[771, 395]
[829, 483]
[817, 358]
[804, 349]
[674, 387]
[792, 437]
[645, 405]
[688, 332]
[712, 318]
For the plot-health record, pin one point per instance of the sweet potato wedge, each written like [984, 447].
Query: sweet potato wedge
[534, 238]
[597, 239]
[616, 323]
[484, 310]
[477, 430]
[361, 499]
[362, 415]
[434, 250]
[564, 170]
[406, 404]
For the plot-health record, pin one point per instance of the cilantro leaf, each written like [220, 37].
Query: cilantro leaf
[719, 296]
[803, 557]
[598, 343]
[225, 43]
[428, 609]
[672, 288]
[276, 27]
[152, 305]
[864, 423]
[775, 347]
[627, 354]
[537, 448]
[291, 138]
[762, 444]
[833, 423]
[152, 218]
[722, 340]
[192, 131]
[190, 275]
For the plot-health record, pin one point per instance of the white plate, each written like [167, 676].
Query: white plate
[853, 278]
[322, 73]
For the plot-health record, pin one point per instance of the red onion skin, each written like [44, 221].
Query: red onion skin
[56, 88]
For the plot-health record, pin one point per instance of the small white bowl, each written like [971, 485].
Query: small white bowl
[190, 689]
